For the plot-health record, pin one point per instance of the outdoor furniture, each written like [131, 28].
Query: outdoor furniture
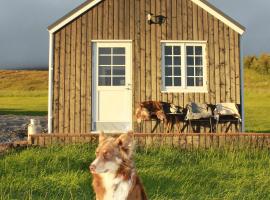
[198, 114]
[227, 113]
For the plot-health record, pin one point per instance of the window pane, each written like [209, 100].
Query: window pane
[177, 81]
[176, 50]
[190, 81]
[190, 60]
[104, 60]
[177, 71]
[118, 70]
[168, 81]
[119, 50]
[190, 71]
[199, 81]
[198, 61]
[118, 81]
[199, 71]
[168, 50]
[190, 50]
[118, 60]
[104, 81]
[104, 70]
[177, 60]
[168, 71]
[198, 50]
[168, 60]
[104, 51]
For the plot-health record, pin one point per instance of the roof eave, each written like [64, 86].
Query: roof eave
[202, 3]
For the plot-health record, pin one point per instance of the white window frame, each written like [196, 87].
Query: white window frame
[184, 88]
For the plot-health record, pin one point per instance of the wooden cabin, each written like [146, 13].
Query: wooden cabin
[107, 56]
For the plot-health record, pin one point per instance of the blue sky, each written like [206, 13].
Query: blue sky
[24, 36]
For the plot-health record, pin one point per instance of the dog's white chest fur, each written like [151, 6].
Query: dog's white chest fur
[115, 188]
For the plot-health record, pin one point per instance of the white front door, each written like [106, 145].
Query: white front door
[112, 89]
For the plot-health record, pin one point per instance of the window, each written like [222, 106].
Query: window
[111, 66]
[183, 67]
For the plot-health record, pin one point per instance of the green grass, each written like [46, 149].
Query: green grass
[23, 92]
[62, 173]
[257, 97]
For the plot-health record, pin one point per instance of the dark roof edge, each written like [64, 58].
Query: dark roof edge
[224, 15]
[50, 27]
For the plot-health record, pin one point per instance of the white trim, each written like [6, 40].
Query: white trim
[219, 16]
[184, 88]
[242, 85]
[185, 41]
[50, 98]
[75, 15]
[111, 41]
[128, 84]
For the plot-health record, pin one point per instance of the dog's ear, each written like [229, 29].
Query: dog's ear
[125, 143]
[102, 137]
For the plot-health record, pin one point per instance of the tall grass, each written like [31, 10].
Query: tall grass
[62, 173]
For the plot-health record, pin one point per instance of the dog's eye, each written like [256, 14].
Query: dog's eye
[97, 152]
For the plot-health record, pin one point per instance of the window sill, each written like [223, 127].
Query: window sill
[184, 90]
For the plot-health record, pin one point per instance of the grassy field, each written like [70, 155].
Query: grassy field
[25, 93]
[62, 173]
[257, 106]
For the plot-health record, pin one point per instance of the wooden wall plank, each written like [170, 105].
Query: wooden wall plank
[105, 25]
[153, 55]
[56, 83]
[116, 19]
[202, 96]
[222, 63]
[83, 74]
[206, 38]
[88, 92]
[237, 68]
[211, 50]
[232, 66]
[227, 64]
[217, 63]
[127, 19]
[142, 49]
[67, 80]
[62, 80]
[100, 20]
[121, 19]
[148, 73]
[137, 50]
[111, 19]
[72, 76]
[78, 77]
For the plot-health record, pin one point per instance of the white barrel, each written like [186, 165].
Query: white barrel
[33, 128]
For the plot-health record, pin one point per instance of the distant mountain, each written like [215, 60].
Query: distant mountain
[22, 68]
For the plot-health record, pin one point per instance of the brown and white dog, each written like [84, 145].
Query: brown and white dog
[114, 174]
